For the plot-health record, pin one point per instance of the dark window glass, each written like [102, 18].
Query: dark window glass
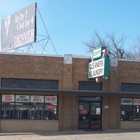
[130, 87]
[46, 84]
[14, 83]
[126, 112]
[88, 85]
[50, 84]
[29, 83]
[89, 98]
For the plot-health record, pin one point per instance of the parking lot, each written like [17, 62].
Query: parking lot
[74, 135]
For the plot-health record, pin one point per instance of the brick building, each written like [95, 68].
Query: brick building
[53, 93]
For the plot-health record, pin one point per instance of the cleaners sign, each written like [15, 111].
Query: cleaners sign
[100, 67]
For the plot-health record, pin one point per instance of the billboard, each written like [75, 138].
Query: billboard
[19, 29]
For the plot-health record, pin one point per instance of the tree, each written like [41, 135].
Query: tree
[136, 49]
[115, 46]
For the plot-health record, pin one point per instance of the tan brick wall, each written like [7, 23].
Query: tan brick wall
[129, 71]
[80, 68]
[67, 77]
[29, 125]
[68, 119]
[130, 125]
[75, 117]
[105, 112]
[111, 116]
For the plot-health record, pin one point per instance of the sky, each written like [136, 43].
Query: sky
[70, 23]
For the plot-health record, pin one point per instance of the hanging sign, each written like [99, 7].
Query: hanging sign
[7, 98]
[37, 99]
[50, 99]
[22, 98]
[99, 68]
[100, 64]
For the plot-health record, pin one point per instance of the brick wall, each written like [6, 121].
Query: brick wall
[69, 75]
[29, 125]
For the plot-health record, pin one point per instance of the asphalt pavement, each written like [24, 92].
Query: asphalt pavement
[75, 135]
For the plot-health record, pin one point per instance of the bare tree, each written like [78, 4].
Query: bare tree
[96, 41]
[135, 49]
[115, 46]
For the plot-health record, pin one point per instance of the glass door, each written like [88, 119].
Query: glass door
[95, 115]
[84, 115]
[89, 115]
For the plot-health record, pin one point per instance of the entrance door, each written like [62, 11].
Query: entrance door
[89, 115]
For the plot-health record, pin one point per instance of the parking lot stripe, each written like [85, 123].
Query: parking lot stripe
[103, 137]
[22, 137]
[66, 137]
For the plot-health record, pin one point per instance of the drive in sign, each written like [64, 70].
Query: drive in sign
[98, 52]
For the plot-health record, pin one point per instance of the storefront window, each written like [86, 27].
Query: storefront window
[51, 107]
[130, 109]
[29, 107]
[136, 109]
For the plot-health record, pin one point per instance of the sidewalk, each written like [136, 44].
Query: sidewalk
[71, 132]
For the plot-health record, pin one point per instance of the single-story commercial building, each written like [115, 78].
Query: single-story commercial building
[53, 93]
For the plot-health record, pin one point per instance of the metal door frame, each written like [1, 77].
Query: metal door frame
[90, 111]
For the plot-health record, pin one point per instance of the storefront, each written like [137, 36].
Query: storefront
[49, 93]
[90, 116]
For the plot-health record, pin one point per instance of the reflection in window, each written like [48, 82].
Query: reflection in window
[126, 112]
[136, 112]
[22, 111]
[50, 111]
[37, 111]
[8, 111]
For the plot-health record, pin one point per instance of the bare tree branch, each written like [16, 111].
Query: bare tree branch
[115, 46]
